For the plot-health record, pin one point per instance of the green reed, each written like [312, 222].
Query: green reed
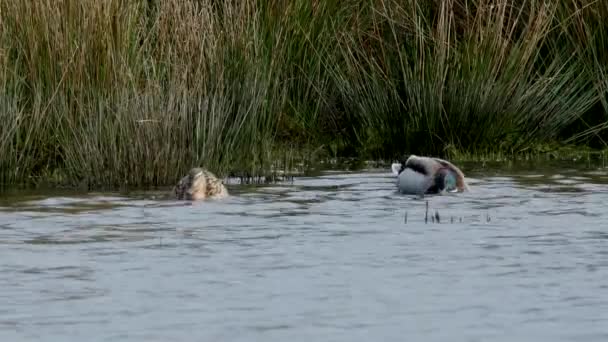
[132, 93]
[475, 75]
[584, 28]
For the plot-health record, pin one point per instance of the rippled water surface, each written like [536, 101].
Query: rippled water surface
[337, 257]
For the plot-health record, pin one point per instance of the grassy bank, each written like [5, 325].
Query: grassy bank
[112, 93]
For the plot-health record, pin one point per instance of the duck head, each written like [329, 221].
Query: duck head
[426, 175]
[200, 184]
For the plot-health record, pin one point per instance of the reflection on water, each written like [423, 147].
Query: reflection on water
[522, 257]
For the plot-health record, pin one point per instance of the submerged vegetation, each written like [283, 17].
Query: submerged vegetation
[114, 92]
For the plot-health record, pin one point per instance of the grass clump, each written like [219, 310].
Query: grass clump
[475, 76]
[115, 93]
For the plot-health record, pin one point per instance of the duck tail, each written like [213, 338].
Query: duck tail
[396, 167]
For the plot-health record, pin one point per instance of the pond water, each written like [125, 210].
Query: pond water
[335, 257]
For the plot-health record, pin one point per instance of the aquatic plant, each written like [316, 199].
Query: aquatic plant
[478, 76]
[132, 93]
[584, 29]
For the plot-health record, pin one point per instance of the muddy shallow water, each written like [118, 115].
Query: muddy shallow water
[522, 257]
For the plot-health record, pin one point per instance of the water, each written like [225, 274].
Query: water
[523, 257]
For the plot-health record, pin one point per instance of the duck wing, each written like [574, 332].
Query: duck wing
[412, 182]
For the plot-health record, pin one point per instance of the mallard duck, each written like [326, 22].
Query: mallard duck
[200, 184]
[426, 175]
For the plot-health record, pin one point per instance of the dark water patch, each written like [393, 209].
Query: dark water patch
[597, 235]
[557, 212]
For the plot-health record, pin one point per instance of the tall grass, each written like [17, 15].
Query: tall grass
[472, 75]
[115, 93]
[585, 28]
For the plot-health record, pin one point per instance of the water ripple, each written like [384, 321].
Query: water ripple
[336, 257]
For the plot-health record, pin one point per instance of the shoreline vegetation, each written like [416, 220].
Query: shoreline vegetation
[116, 93]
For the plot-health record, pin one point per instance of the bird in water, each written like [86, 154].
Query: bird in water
[426, 175]
[200, 184]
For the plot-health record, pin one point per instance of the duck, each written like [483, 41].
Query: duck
[200, 184]
[428, 175]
